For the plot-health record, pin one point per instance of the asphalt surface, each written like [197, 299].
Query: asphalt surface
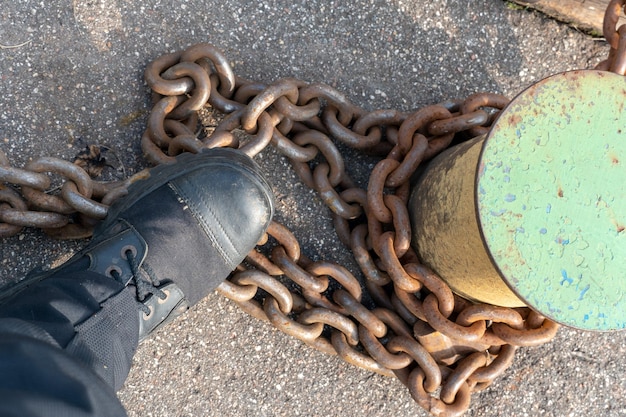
[71, 75]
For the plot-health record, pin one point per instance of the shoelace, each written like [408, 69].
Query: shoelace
[144, 288]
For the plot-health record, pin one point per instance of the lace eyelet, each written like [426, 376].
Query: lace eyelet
[167, 295]
[127, 248]
[147, 316]
[111, 269]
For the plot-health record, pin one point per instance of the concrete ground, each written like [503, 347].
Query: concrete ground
[71, 75]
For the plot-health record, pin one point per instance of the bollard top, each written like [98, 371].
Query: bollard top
[551, 198]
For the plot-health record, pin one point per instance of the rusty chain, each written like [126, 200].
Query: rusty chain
[442, 347]
[616, 38]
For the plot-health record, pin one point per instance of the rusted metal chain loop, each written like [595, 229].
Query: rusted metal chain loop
[172, 87]
[374, 231]
[82, 204]
[14, 214]
[175, 128]
[339, 274]
[534, 320]
[199, 94]
[246, 91]
[434, 284]
[376, 188]
[282, 88]
[260, 135]
[235, 292]
[297, 113]
[434, 405]
[328, 150]
[65, 168]
[156, 121]
[483, 100]
[391, 360]
[501, 363]
[334, 98]
[261, 138]
[381, 355]
[253, 308]
[286, 239]
[394, 267]
[364, 259]
[619, 63]
[354, 357]
[417, 122]
[458, 123]
[332, 319]
[393, 321]
[462, 371]
[410, 162]
[26, 218]
[526, 337]
[293, 152]
[288, 104]
[611, 19]
[489, 313]
[344, 134]
[203, 52]
[296, 273]
[155, 141]
[360, 313]
[68, 170]
[438, 321]
[330, 196]
[281, 321]
[342, 226]
[23, 177]
[438, 144]
[152, 152]
[260, 261]
[378, 118]
[401, 224]
[184, 143]
[269, 284]
[218, 101]
[480, 312]
[432, 375]
[404, 312]
[10, 199]
[380, 295]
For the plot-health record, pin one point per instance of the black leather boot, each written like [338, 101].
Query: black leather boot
[178, 234]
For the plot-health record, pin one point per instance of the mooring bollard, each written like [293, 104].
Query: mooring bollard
[534, 213]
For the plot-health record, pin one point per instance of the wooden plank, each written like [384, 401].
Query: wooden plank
[586, 15]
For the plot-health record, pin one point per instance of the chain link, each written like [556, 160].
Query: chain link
[429, 338]
[616, 38]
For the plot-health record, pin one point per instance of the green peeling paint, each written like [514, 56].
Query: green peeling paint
[551, 198]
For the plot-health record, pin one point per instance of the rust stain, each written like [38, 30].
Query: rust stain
[560, 192]
[514, 119]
